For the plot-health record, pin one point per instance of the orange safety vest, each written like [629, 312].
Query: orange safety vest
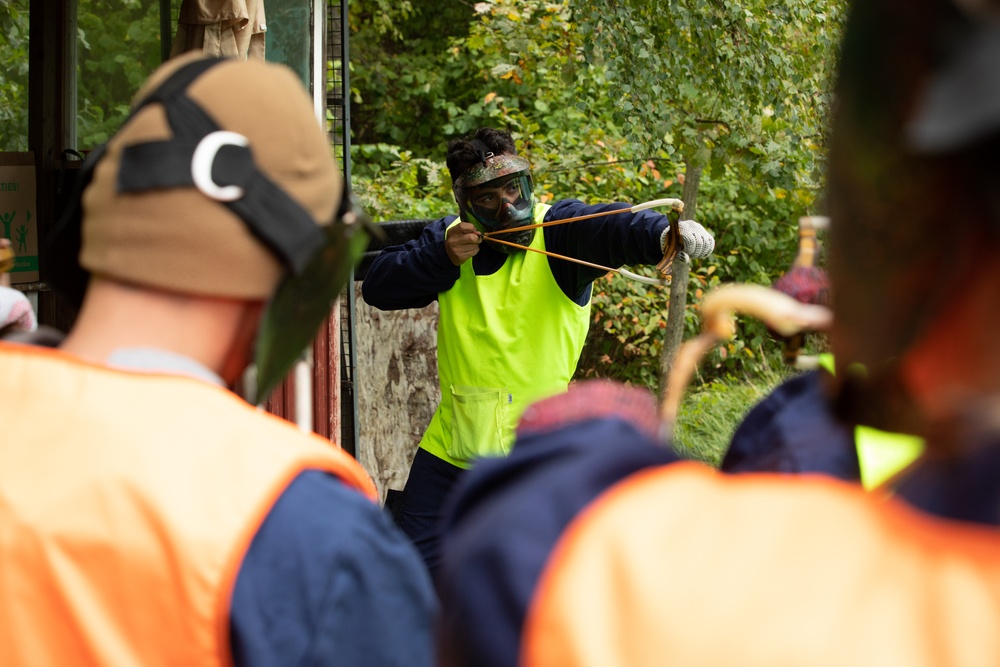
[683, 566]
[127, 503]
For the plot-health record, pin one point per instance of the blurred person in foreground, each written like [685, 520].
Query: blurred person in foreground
[148, 515]
[591, 544]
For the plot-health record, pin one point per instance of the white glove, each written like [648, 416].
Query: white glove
[698, 241]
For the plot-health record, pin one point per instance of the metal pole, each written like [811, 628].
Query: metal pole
[166, 31]
[346, 96]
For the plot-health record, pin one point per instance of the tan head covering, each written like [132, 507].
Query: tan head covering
[178, 239]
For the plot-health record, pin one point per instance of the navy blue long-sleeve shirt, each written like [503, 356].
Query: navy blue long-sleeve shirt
[411, 275]
[329, 580]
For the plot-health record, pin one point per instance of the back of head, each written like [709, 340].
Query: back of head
[913, 167]
[222, 184]
[162, 231]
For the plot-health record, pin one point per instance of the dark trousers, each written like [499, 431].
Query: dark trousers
[418, 509]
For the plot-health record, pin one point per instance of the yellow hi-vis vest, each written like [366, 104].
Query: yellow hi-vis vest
[504, 341]
[127, 503]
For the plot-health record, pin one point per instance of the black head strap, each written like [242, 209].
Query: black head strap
[60, 261]
[961, 102]
[272, 216]
[482, 150]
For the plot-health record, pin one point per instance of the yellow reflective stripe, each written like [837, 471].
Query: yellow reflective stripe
[826, 361]
[881, 455]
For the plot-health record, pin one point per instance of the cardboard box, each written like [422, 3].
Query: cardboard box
[18, 213]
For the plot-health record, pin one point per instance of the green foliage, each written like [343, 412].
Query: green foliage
[710, 412]
[624, 341]
[118, 46]
[742, 81]
[14, 75]
[403, 105]
[395, 185]
[542, 70]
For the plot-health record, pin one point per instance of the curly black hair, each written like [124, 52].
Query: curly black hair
[467, 151]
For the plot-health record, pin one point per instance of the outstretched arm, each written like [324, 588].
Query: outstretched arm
[624, 239]
[411, 275]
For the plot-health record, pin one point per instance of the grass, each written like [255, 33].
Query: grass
[710, 413]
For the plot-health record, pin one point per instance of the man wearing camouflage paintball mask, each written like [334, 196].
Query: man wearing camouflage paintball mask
[512, 322]
[497, 194]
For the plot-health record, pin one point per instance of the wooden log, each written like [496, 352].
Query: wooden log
[397, 385]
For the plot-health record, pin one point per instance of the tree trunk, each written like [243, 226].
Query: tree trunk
[673, 334]
[397, 384]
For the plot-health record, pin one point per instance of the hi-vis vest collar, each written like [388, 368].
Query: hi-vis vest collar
[881, 455]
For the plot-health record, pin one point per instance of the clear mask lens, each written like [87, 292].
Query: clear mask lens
[503, 202]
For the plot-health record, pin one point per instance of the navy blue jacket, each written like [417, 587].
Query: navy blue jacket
[411, 275]
[329, 580]
[793, 430]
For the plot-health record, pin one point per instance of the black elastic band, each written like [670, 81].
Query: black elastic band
[482, 150]
[156, 164]
[272, 216]
[297, 236]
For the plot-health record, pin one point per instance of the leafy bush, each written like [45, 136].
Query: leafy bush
[523, 66]
[14, 75]
[118, 47]
[711, 412]
[393, 184]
